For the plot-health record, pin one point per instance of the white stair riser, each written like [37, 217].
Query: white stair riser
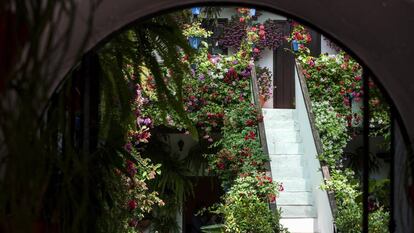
[286, 161]
[295, 198]
[295, 184]
[298, 211]
[284, 148]
[288, 166]
[286, 125]
[282, 136]
[304, 225]
[278, 114]
[285, 171]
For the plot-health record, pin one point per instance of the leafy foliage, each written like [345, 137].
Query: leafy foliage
[248, 195]
[334, 83]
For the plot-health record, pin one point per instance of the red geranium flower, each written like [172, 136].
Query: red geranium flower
[249, 122]
[132, 205]
[220, 166]
[272, 198]
[250, 135]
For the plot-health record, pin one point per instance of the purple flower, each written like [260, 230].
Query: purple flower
[128, 147]
[201, 77]
[245, 73]
[131, 169]
[235, 62]
[147, 121]
[144, 121]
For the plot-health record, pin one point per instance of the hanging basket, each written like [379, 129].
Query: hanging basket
[295, 45]
[252, 12]
[196, 10]
[194, 42]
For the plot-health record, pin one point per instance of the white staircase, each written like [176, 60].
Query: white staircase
[288, 165]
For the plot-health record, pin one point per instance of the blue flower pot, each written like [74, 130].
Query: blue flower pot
[196, 10]
[194, 42]
[295, 45]
[252, 12]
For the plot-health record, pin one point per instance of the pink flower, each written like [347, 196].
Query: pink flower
[128, 147]
[130, 166]
[220, 166]
[256, 50]
[133, 223]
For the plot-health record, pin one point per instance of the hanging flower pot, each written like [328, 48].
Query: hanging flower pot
[295, 45]
[196, 10]
[262, 100]
[252, 12]
[194, 42]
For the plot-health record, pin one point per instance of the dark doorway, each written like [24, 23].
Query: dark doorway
[284, 74]
[207, 191]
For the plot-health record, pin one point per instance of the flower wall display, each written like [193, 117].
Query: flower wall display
[335, 84]
[140, 199]
[217, 98]
[269, 34]
[264, 79]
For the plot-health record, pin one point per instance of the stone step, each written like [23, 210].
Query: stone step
[294, 198]
[286, 148]
[283, 170]
[292, 159]
[294, 184]
[275, 135]
[302, 225]
[294, 211]
[278, 114]
[287, 125]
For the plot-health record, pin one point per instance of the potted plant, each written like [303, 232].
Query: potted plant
[295, 45]
[252, 12]
[299, 37]
[194, 32]
[196, 10]
[264, 80]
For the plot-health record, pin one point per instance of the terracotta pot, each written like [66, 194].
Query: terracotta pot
[262, 100]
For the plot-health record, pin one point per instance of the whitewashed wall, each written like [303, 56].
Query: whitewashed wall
[325, 48]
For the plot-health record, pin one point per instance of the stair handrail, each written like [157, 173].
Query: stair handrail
[255, 90]
[318, 143]
[262, 133]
